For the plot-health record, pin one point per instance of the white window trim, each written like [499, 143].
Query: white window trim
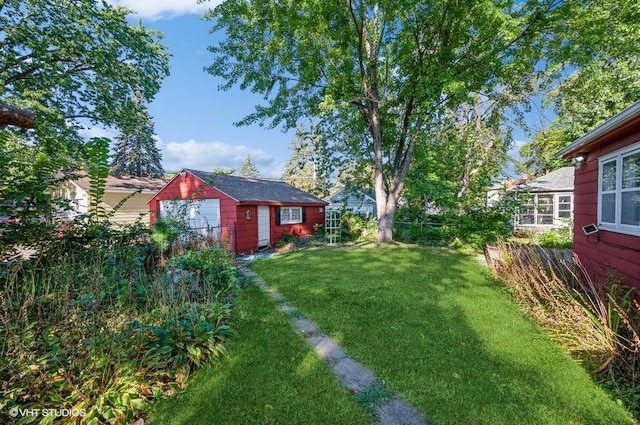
[618, 156]
[291, 221]
[557, 220]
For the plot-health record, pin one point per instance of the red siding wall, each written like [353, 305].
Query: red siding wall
[247, 230]
[606, 251]
[314, 215]
[190, 187]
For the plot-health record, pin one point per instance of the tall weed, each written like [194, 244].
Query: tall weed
[598, 322]
[564, 300]
[97, 324]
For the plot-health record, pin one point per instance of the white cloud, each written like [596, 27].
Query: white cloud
[159, 9]
[206, 156]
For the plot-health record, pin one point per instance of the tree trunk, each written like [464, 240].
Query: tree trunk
[17, 117]
[386, 215]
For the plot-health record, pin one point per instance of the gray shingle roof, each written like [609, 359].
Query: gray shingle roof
[560, 179]
[124, 184]
[244, 189]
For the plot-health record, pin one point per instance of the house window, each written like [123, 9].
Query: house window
[545, 209]
[537, 210]
[290, 215]
[565, 204]
[619, 191]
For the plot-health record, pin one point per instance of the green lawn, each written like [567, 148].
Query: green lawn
[268, 376]
[438, 330]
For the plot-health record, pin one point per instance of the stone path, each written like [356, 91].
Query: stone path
[387, 408]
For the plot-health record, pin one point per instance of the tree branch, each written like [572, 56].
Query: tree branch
[17, 117]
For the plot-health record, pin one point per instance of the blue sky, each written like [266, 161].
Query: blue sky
[193, 119]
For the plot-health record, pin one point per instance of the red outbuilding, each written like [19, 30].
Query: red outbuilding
[607, 197]
[248, 213]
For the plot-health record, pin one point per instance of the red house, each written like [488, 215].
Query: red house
[250, 213]
[607, 197]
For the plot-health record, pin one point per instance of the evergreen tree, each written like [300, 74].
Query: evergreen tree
[249, 169]
[308, 168]
[223, 171]
[135, 152]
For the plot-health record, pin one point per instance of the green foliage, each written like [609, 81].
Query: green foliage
[473, 228]
[540, 153]
[286, 238]
[559, 238]
[463, 151]
[212, 266]
[309, 167]
[135, 153]
[166, 231]
[598, 52]
[28, 173]
[96, 324]
[75, 62]
[97, 170]
[357, 227]
[249, 169]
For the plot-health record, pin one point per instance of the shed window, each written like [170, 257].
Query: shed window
[290, 215]
[619, 191]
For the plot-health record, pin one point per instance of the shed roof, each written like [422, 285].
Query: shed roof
[244, 189]
[558, 180]
[122, 184]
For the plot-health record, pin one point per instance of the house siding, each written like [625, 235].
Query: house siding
[132, 210]
[606, 252]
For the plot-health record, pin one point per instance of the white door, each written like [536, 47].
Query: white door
[263, 226]
[202, 215]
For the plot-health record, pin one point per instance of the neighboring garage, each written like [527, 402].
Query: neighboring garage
[248, 213]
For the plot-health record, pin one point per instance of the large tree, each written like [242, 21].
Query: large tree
[135, 152]
[74, 63]
[64, 65]
[601, 49]
[308, 168]
[465, 149]
[379, 72]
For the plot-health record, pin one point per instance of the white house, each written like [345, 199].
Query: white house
[357, 201]
[546, 202]
[77, 192]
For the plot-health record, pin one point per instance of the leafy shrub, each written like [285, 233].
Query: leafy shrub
[285, 239]
[212, 266]
[166, 231]
[474, 228]
[93, 323]
[356, 226]
[560, 238]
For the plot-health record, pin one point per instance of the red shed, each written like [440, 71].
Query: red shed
[607, 196]
[252, 213]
